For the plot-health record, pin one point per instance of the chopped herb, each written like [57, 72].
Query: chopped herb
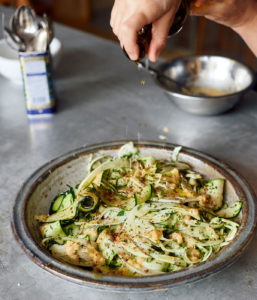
[121, 213]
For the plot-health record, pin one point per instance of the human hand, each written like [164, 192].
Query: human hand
[232, 13]
[240, 15]
[129, 16]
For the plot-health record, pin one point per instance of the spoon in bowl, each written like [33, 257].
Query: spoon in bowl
[25, 24]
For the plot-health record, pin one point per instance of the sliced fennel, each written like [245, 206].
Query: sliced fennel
[136, 215]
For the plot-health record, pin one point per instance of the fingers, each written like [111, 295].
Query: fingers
[129, 16]
[211, 8]
[200, 8]
[116, 16]
[113, 15]
[198, 3]
[160, 31]
[128, 32]
[128, 41]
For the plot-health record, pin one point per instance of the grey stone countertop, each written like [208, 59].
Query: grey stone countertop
[100, 98]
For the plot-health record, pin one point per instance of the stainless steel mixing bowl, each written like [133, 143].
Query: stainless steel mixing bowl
[209, 84]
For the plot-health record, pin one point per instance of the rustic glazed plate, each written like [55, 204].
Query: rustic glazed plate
[37, 192]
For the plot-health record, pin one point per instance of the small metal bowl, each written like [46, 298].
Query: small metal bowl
[210, 85]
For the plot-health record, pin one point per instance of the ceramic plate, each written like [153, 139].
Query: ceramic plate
[37, 192]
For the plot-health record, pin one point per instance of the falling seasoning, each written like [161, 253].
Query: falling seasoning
[162, 137]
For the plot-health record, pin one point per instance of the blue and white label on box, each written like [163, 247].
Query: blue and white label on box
[38, 87]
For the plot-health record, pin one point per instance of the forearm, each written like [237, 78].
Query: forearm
[248, 33]
[240, 15]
